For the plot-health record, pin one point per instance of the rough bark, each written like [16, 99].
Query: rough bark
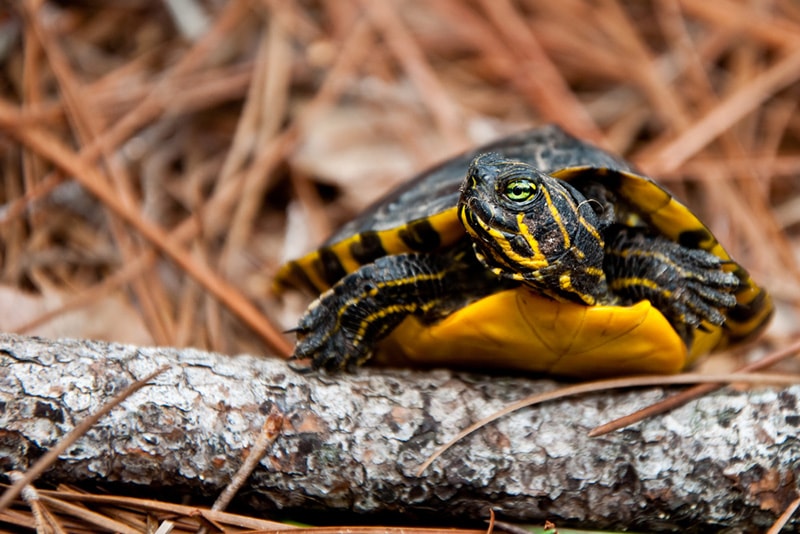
[354, 442]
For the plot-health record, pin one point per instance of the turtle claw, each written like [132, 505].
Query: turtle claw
[323, 339]
[301, 365]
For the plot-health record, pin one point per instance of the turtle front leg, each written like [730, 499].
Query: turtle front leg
[342, 327]
[688, 286]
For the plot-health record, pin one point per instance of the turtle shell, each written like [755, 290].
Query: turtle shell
[518, 328]
[420, 215]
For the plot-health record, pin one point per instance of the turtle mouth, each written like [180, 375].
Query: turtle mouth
[487, 228]
[478, 219]
[501, 247]
[477, 213]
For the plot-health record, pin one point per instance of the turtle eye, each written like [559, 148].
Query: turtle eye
[519, 190]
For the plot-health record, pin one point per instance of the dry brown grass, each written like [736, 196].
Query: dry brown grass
[159, 166]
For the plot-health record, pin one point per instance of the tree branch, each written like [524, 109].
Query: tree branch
[354, 442]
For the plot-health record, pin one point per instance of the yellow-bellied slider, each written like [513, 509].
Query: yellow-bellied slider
[537, 252]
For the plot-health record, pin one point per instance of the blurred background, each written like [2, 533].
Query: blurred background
[161, 159]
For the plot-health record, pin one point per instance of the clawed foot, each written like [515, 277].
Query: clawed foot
[689, 286]
[322, 341]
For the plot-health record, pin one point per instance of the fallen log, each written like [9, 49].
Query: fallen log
[353, 442]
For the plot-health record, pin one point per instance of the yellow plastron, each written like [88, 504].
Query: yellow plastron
[518, 329]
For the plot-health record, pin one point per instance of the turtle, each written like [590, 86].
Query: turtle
[539, 253]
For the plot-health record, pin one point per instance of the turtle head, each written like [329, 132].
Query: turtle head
[528, 226]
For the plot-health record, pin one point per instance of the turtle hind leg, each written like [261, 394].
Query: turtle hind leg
[341, 328]
[689, 286]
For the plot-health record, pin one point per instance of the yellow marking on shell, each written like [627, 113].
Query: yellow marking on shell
[746, 329]
[557, 217]
[664, 211]
[305, 264]
[445, 224]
